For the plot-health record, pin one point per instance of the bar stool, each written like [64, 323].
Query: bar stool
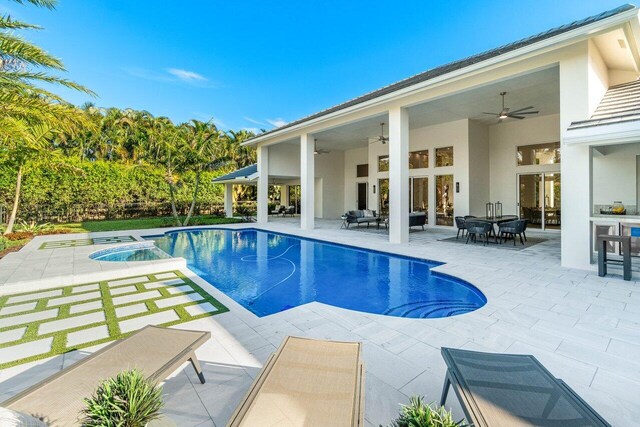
[625, 243]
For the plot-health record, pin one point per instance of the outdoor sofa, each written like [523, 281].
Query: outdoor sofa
[362, 216]
[156, 351]
[307, 382]
[509, 390]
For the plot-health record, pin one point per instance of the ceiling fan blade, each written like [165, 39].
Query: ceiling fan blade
[493, 114]
[521, 109]
[516, 117]
[528, 112]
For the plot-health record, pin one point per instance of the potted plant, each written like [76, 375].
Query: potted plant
[419, 414]
[128, 400]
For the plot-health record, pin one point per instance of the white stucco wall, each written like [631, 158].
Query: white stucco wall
[615, 174]
[504, 139]
[353, 158]
[479, 168]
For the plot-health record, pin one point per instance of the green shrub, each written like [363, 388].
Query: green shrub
[419, 414]
[33, 227]
[128, 400]
[3, 243]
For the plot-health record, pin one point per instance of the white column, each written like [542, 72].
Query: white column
[284, 195]
[398, 175]
[228, 200]
[307, 182]
[263, 184]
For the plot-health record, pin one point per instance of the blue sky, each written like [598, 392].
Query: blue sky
[257, 64]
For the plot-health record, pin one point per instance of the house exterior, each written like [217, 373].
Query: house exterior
[559, 168]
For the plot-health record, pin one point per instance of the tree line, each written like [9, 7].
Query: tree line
[45, 139]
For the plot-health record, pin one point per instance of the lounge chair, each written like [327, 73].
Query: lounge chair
[306, 382]
[156, 351]
[362, 216]
[501, 390]
[290, 210]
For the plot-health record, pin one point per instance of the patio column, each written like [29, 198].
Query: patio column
[398, 175]
[263, 184]
[228, 200]
[307, 182]
[284, 195]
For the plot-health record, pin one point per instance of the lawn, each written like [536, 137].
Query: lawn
[140, 223]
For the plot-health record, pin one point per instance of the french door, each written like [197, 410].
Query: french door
[539, 200]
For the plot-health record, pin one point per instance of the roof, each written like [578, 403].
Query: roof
[454, 66]
[245, 173]
[620, 104]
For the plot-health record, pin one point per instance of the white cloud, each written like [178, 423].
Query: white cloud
[254, 130]
[277, 122]
[254, 121]
[186, 75]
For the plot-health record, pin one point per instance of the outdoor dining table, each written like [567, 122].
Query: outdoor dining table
[494, 220]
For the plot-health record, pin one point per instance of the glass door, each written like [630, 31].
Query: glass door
[419, 194]
[444, 200]
[294, 197]
[539, 200]
[361, 196]
[383, 197]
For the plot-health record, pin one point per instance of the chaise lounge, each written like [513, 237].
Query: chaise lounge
[362, 216]
[505, 390]
[156, 351]
[307, 382]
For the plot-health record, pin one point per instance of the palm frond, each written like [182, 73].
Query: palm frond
[49, 4]
[16, 47]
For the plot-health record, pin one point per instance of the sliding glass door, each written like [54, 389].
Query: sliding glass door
[539, 200]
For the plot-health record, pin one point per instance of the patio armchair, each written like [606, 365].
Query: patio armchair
[417, 219]
[477, 229]
[512, 229]
[278, 210]
[291, 210]
[461, 224]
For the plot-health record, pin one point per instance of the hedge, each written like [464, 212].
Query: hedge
[84, 185]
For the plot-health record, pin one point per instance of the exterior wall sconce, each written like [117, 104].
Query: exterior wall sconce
[374, 189]
[498, 210]
[489, 210]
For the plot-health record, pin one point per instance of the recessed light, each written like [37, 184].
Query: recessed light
[622, 43]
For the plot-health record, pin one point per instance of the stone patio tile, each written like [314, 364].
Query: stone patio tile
[123, 290]
[128, 310]
[73, 298]
[387, 366]
[20, 351]
[34, 296]
[71, 322]
[85, 288]
[129, 281]
[173, 282]
[382, 401]
[179, 289]
[573, 334]
[29, 317]
[168, 275]
[628, 365]
[18, 308]
[196, 310]
[179, 300]
[12, 335]
[87, 306]
[624, 349]
[151, 319]
[136, 297]
[87, 335]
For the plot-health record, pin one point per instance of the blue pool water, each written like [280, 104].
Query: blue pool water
[139, 252]
[270, 272]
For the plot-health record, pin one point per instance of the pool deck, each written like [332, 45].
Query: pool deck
[583, 328]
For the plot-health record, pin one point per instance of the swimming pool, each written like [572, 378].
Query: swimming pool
[269, 272]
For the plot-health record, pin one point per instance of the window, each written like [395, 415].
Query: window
[419, 159]
[444, 156]
[362, 171]
[383, 163]
[539, 154]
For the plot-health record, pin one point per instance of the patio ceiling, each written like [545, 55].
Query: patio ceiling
[539, 89]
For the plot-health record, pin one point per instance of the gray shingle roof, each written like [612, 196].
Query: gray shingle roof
[240, 173]
[620, 104]
[457, 65]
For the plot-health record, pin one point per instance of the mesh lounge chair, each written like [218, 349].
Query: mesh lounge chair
[508, 390]
[307, 383]
[156, 351]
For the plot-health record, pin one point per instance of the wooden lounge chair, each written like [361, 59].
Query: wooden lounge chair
[512, 390]
[307, 382]
[156, 351]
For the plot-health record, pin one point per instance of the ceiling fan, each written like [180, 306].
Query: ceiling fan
[317, 151]
[381, 138]
[506, 113]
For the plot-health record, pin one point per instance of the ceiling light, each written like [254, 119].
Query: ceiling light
[502, 116]
[622, 43]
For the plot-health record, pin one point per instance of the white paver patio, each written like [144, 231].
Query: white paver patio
[583, 328]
